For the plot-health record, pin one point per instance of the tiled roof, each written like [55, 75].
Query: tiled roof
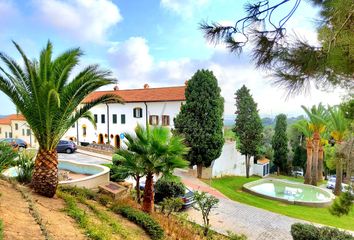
[144, 95]
[263, 161]
[7, 120]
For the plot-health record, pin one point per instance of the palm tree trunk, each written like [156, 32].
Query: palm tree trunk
[320, 164]
[308, 162]
[45, 174]
[199, 170]
[316, 145]
[137, 188]
[148, 200]
[339, 177]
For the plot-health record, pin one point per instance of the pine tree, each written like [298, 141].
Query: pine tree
[248, 128]
[200, 120]
[280, 144]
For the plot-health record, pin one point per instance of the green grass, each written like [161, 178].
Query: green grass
[232, 188]
[229, 134]
[1, 230]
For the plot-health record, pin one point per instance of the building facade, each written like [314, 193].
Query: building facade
[15, 126]
[146, 106]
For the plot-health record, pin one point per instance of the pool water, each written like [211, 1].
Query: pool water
[289, 191]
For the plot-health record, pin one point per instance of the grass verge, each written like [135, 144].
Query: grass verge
[232, 188]
[93, 231]
[1, 230]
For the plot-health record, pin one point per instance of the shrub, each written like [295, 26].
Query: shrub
[169, 205]
[234, 236]
[77, 192]
[7, 155]
[301, 231]
[104, 199]
[117, 174]
[166, 188]
[25, 164]
[142, 219]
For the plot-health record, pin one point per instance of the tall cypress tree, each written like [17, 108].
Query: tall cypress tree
[200, 120]
[280, 144]
[248, 128]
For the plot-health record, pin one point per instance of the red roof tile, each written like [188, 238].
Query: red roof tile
[144, 95]
[7, 120]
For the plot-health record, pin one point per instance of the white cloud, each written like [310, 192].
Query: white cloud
[87, 20]
[7, 11]
[135, 66]
[184, 8]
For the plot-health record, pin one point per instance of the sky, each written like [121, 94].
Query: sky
[156, 42]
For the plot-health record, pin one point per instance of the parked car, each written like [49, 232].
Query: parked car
[187, 197]
[298, 173]
[331, 183]
[65, 146]
[15, 142]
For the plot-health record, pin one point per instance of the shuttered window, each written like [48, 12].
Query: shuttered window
[138, 112]
[154, 120]
[165, 120]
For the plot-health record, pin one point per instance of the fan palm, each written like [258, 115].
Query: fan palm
[304, 127]
[42, 92]
[159, 152]
[316, 116]
[339, 131]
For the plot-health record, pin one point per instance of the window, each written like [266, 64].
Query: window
[103, 118]
[138, 112]
[28, 132]
[122, 118]
[5, 134]
[114, 118]
[16, 126]
[84, 130]
[95, 117]
[165, 120]
[154, 120]
[23, 132]
[10, 135]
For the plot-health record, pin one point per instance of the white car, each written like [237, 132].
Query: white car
[331, 183]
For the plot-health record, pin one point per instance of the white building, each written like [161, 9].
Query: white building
[15, 126]
[154, 106]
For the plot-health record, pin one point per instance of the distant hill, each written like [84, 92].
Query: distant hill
[1, 116]
[266, 121]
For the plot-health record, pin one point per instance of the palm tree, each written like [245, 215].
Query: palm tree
[317, 123]
[132, 165]
[51, 104]
[160, 152]
[339, 132]
[304, 127]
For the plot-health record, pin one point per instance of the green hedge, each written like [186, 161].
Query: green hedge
[301, 231]
[142, 219]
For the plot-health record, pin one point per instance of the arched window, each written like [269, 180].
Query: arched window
[138, 112]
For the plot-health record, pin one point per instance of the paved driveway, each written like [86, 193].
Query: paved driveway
[255, 223]
[83, 158]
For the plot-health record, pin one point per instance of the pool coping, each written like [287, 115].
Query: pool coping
[105, 171]
[319, 204]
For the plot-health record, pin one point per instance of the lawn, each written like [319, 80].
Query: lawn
[232, 188]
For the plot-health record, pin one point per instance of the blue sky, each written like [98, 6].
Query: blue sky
[154, 42]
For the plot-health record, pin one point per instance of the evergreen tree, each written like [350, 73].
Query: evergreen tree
[201, 119]
[248, 128]
[280, 144]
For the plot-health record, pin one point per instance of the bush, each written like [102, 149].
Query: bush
[301, 231]
[7, 155]
[169, 205]
[104, 199]
[78, 192]
[234, 236]
[168, 189]
[142, 219]
[117, 174]
[25, 164]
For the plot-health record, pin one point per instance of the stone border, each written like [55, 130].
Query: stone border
[319, 204]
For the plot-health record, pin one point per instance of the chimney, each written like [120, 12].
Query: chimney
[146, 86]
[186, 83]
[116, 88]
